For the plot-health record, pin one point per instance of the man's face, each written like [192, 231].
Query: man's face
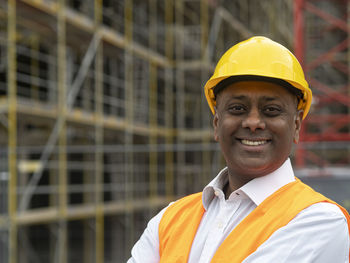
[256, 124]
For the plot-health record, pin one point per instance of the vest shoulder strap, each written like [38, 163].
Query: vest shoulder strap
[178, 228]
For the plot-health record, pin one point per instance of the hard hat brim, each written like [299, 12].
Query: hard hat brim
[214, 86]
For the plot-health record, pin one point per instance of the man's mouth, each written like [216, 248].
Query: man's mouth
[253, 143]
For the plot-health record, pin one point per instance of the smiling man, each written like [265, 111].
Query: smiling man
[254, 210]
[256, 124]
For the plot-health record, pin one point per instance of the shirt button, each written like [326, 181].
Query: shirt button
[216, 193]
[220, 225]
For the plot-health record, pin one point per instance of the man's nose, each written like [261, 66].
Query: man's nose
[253, 121]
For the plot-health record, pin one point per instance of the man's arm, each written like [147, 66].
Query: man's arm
[146, 249]
[317, 234]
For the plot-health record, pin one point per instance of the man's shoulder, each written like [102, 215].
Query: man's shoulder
[322, 216]
[188, 199]
[323, 209]
[190, 202]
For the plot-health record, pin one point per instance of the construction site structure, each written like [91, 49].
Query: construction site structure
[103, 119]
[322, 45]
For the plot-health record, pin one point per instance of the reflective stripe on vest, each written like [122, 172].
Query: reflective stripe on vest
[180, 222]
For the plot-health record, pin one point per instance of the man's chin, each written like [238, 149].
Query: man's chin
[253, 167]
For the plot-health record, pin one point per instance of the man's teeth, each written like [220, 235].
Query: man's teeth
[253, 143]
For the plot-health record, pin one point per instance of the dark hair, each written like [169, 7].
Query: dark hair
[233, 79]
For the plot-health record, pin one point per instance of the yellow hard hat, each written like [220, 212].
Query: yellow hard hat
[260, 58]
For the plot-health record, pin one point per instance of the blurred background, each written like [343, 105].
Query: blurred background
[103, 119]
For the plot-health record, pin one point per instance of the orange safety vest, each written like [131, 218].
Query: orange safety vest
[180, 222]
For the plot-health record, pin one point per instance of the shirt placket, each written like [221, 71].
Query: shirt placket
[215, 237]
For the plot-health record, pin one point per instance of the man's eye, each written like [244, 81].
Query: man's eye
[272, 110]
[236, 109]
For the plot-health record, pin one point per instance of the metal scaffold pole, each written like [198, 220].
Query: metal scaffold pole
[153, 156]
[299, 53]
[180, 97]
[129, 113]
[204, 76]
[62, 134]
[12, 130]
[348, 69]
[99, 241]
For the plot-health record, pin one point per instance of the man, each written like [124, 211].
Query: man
[254, 210]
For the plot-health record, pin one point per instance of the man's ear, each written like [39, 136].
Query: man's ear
[298, 120]
[215, 125]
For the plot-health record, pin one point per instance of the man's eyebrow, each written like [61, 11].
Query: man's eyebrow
[271, 98]
[237, 97]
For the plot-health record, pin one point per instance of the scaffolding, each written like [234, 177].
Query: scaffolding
[322, 41]
[103, 120]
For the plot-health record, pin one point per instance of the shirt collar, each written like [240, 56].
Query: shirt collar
[217, 183]
[257, 189]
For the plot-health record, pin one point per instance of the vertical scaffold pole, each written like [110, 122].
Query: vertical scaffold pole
[129, 109]
[99, 242]
[62, 140]
[348, 64]
[206, 163]
[12, 129]
[299, 53]
[180, 98]
[153, 122]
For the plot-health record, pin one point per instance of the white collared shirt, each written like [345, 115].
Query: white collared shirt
[319, 233]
